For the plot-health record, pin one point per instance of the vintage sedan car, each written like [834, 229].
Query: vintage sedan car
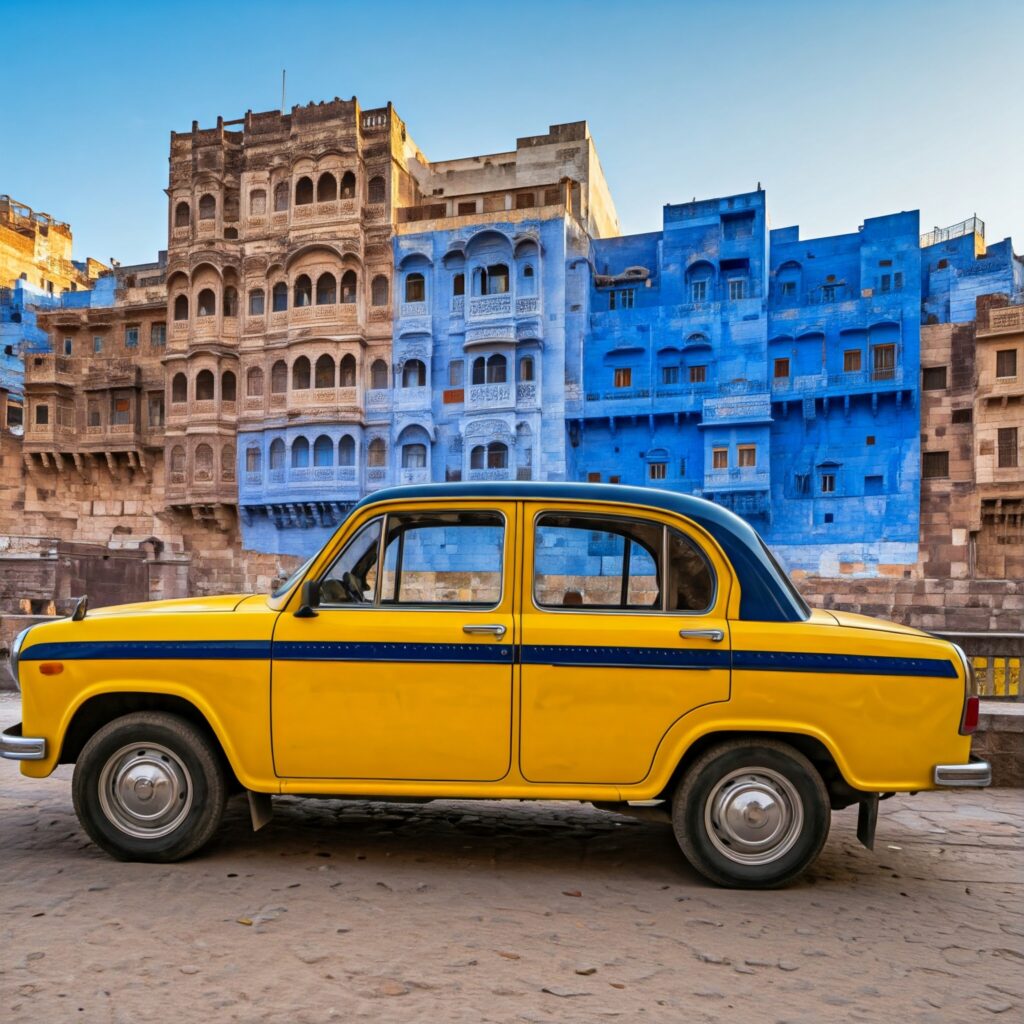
[504, 640]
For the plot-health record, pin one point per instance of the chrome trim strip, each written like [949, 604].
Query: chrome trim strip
[977, 773]
[15, 747]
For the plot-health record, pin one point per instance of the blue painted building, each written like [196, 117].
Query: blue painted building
[776, 375]
[20, 335]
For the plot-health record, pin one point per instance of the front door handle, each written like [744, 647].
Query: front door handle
[717, 635]
[490, 630]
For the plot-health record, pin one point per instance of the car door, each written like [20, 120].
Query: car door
[405, 671]
[624, 631]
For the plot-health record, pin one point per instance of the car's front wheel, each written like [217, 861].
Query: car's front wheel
[751, 814]
[149, 786]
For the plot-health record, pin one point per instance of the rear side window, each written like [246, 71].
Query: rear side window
[611, 563]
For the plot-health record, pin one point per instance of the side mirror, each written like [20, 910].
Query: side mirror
[309, 600]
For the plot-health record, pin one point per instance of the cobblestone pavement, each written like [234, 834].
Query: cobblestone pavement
[452, 912]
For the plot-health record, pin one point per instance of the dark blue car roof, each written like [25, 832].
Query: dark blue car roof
[766, 595]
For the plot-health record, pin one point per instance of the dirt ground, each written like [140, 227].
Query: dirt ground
[473, 912]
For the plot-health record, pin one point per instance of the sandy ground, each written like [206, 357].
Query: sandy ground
[457, 911]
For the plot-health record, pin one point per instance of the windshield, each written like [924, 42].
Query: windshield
[290, 582]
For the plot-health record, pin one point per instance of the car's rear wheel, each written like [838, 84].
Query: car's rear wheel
[149, 786]
[751, 814]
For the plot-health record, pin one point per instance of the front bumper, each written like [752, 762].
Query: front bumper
[15, 747]
[976, 773]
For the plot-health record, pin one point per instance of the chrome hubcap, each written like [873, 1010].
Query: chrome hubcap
[753, 816]
[145, 790]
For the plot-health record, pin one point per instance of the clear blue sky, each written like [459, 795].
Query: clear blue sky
[841, 109]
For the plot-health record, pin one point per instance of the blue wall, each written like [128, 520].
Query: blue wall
[776, 375]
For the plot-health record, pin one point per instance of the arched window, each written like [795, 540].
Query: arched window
[281, 196]
[379, 291]
[700, 282]
[348, 286]
[206, 303]
[326, 188]
[347, 451]
[207, 211]
[257, 202]
[377, 453]
[326, 290]
[459, 284]
[182, 215]
[526, 368]
[324, 372]
[279, 297]
[497, 369]
[253, 461]
[279, 378]
[497, 455]
[256, 302]
[204, 463]
[227, 462]
[379, 374]
[479, 371]
[478, 457]
[414, 374]
[177, 459]
[323, 451]
[414, 456]
[181, 307]
[300, 453]
[228, 386]
[277, 453]
[347, 371]
[376, 190]
[204, 386]
[528, 283]
[230, 301]
[179, 388]
[303, 293]
[495, 280]
[303, 191]
[348, 185]
[300, 374]
[254, 382]
[415, 288]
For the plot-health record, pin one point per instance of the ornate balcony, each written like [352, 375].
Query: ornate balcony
[528, 305]
[414, 476]
[490, 397]
[492, 474]
[412, 309]
[527, 393]
[490, 305]
[737, 478]
[378, 401]
[412, 399]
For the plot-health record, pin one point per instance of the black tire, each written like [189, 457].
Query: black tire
[751, 814]
[150, 787]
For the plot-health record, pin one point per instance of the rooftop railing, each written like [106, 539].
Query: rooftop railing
[971, 226]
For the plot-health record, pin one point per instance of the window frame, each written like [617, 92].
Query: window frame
[662, 568]
[377, 605]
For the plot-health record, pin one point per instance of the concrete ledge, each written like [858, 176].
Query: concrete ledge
[1000, 740]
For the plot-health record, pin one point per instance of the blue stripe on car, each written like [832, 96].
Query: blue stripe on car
[488, 653]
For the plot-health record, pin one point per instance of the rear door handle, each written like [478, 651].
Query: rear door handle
[489, 630]
[717, 635]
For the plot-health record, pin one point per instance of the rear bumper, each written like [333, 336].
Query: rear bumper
[15, 747]
[976, 773]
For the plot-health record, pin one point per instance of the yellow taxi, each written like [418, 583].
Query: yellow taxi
[504, 640]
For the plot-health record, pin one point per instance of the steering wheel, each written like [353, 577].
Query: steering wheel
[352, 589]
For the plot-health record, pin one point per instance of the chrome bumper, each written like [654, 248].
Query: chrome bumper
[15, 747]
[976, 773]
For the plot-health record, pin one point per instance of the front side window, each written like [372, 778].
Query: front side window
[430, 558]
[609, 563]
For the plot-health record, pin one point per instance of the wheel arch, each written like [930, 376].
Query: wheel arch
[841, 793]
[101, 708]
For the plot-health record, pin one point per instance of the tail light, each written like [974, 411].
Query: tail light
[969, 721]
[969, 716]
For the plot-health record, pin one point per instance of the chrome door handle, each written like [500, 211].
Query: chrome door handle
[717, 635]
[490, 630]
